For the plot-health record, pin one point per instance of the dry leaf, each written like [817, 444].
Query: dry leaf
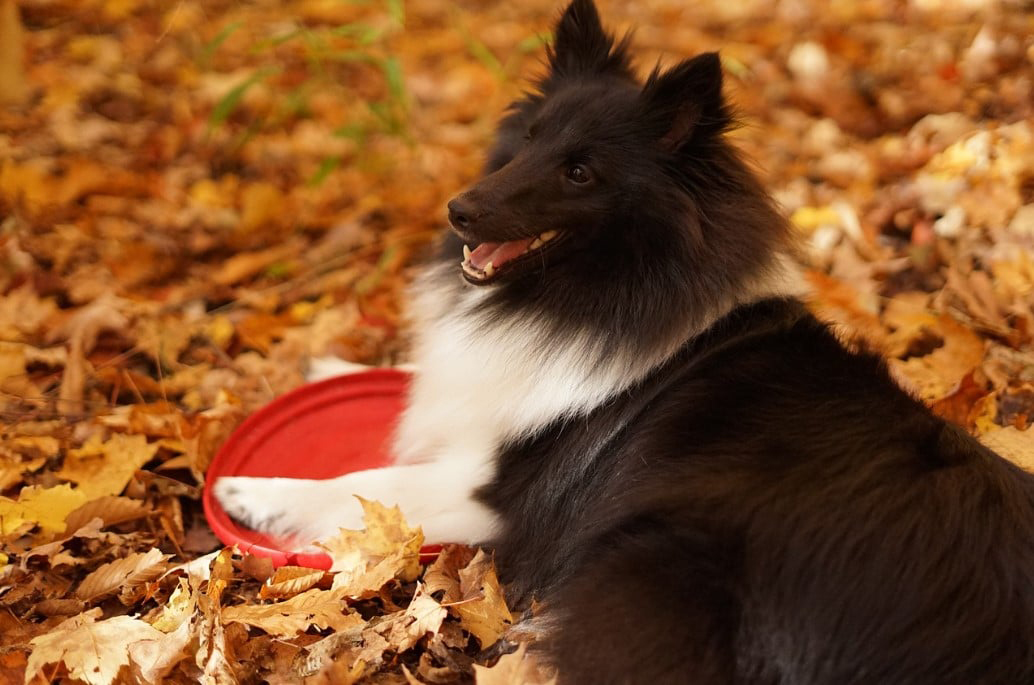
[935, 375]
[154, 658]
[288, 581]
[482, 607]
[178, 609]
[109, 509]
[122, 573]
[365, 560]
[105, 468]
[45, 507]
[320, 608]
[423, 616]
[92, 651]
[443, 575]
[54, 551]
[214, 655]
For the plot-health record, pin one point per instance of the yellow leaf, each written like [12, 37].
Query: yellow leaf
[105, 468]
[179, 608]
[320, 608]
[482, 608]
[45, 507]
[405, 628]
[935, 375]
[365, 560]
[92, 651]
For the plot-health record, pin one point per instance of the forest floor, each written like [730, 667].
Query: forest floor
[198, 197]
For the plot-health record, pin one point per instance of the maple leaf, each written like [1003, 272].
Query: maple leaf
[482, 607]
[93, 651]
[122, 573]
[320, 608]
[443, 575]
[365, 560]
[404, 629]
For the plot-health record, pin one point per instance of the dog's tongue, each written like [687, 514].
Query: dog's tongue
[499, 253]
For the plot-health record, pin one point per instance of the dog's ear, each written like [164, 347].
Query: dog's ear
[582, 48]
[685, 103]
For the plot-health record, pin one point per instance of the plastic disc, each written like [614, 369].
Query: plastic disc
[319, 430]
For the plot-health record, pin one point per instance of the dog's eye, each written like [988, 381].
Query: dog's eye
[576, 173]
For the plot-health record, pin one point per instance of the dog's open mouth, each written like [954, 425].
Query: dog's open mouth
[486, 261]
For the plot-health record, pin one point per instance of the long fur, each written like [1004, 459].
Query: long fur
[695, 478]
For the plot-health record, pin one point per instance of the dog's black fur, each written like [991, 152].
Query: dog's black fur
[766, 506]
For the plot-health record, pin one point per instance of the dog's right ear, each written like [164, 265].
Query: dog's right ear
[582, 48]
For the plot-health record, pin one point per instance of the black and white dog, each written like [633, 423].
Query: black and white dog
[618, 391]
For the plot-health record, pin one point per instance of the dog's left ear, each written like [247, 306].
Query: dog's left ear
[583, 48]
[685, 103]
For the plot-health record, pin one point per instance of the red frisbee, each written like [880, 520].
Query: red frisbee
[320, 430]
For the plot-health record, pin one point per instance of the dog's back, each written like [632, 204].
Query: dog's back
[771, 508]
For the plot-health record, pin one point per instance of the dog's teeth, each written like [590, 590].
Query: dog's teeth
[536, 244]
[466, 253]
[547, 236]
[489, 269]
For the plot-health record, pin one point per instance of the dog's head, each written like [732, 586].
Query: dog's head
[588, 155]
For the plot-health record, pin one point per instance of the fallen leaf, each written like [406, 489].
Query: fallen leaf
[482, 606]
[45, 507]
[154, 658]
[105, 468]
[288, 581]
[423, 616]
[109, 509]
[93, 651]
[320, 608]
[365, 560]
[443, 575]
[129, 571]
[934, 375]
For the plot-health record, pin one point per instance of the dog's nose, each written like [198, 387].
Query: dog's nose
[461, 213]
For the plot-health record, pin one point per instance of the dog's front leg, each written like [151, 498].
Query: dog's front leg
[436, 495]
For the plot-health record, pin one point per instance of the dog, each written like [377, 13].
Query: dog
[619, 390]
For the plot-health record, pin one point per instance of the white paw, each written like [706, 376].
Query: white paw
[302, 510]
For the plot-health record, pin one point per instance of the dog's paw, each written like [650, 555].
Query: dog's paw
[300, 510]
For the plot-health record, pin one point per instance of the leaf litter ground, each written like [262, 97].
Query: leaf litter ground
[198, 198]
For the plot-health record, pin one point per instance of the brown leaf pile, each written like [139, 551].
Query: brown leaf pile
[196, 198]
